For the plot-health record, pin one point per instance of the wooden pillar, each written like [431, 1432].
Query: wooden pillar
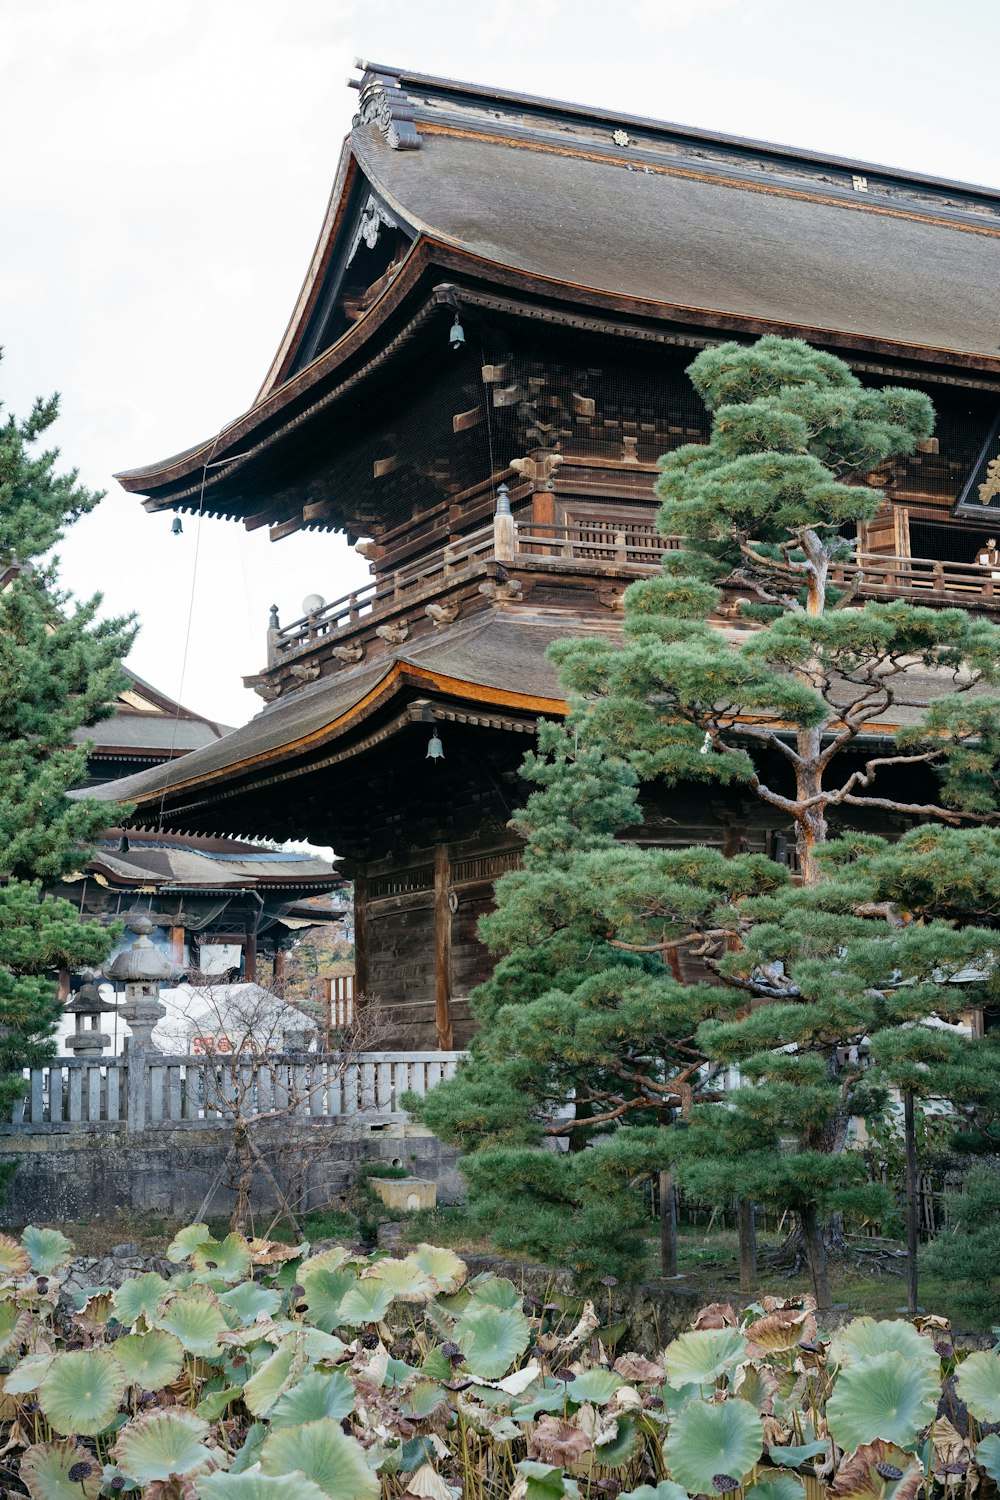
[177, 944]
[279, 967]
[442, 948]
[250, 958]
[361, 970]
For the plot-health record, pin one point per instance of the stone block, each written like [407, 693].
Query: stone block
[407, 1193]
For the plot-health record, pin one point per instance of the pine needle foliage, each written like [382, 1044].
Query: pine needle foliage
[60, 670]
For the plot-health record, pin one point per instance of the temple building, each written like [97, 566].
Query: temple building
[485, 363]
[216, 904]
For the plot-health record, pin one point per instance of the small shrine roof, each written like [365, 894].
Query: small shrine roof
[147, 724]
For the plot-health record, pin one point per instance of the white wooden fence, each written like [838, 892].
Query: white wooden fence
[75, 1093]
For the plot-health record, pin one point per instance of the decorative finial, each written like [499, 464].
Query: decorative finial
[272, 623]
[503, 500]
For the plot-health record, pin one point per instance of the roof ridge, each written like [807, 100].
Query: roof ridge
[444, 90]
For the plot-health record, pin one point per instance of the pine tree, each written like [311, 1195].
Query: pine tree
[768, 507]
[60, 669]
[584, 1054]
[811, 975]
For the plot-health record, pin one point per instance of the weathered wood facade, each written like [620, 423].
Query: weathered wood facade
[502, 303]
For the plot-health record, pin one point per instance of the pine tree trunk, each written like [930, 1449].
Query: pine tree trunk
[812, 1232]
[668, 1226]
[747, 1228]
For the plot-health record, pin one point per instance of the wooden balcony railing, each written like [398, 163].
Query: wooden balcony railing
[629, 544]
[632, 545]
[922, 578]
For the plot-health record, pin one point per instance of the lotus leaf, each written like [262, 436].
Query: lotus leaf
[163, 1443]
[978, 1384]
[325, 1455]
[150, 1360]
[491, 1338]
[324, 1290]
[437, 1365]
[81, 1391]
[273, 1252]
[597, 1386]
[864, 1337]
[545, 1482]
[28, 1374]
[326, 1260]
[249, 1455]
[14, 1259]
[495, 1291]
[862, 1475]
[139, 1297]
[550, 1399]
[314, 1397]
[15, 1325]
[196, 1319]
[404, 1278]
[706, 1441]
[442, 1266]
[621, 1448]
[794, 1457]
[49, 1250]
[779, 1331]
[782, 1487]
[665, 1490]
[423, 1398]
[258, 1487]
[274, 1377]
[46, 1468]
[700, 1357]
[251, 1302]
[988, 1456]
[885, 1396]
[212, 1405]
[427, 1484]
[366, 1302]
[228, 1258]
[94, 1308]
[319, 1345]
[185, 1242]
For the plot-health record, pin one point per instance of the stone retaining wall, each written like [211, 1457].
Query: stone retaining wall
[70, 1176]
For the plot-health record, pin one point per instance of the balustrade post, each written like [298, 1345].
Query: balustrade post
[504, 530]
[273, 634]
[621, 547]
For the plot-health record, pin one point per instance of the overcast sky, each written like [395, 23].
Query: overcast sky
[167, 165]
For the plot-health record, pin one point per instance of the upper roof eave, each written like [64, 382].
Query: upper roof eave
[451, 260]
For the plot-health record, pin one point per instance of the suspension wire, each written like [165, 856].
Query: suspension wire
[187, 629]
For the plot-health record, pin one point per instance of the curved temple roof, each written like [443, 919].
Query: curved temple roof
[636, 219]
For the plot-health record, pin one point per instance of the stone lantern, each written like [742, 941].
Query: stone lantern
[87, 1006]
[142, 969]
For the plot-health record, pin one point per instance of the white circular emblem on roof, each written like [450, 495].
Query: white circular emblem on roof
[620, 137]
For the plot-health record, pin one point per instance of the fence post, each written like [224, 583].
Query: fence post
[136, 1070]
